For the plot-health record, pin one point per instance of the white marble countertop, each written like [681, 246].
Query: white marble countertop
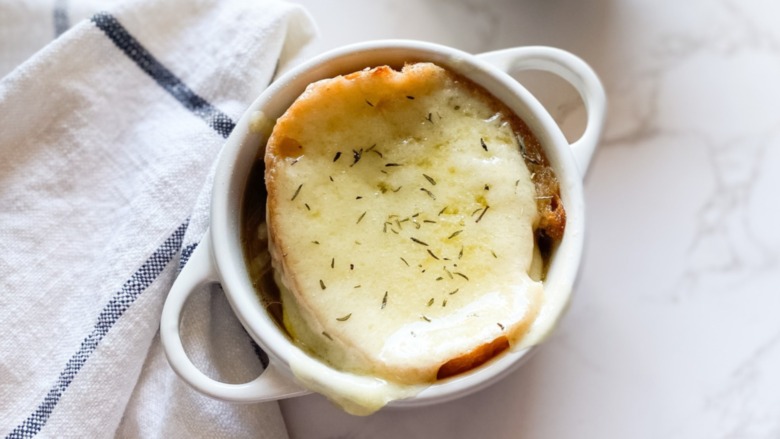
[673, 331]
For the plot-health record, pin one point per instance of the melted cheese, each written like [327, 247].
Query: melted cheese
[401, 214]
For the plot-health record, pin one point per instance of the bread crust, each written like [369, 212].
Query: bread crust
[473, 359]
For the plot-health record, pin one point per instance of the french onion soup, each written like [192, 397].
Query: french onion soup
[410, 216]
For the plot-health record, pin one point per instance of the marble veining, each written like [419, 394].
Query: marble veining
[724, 246]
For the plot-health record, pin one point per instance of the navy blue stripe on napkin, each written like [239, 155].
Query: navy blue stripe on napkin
[186, 253]
[116, 307]
[60, 16]
[219, 121]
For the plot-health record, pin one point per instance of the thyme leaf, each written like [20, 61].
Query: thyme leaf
[297, 191]
[371, 149]
[418, 241]
[455, 233]
[356, 156]
[430, 179]
[344, 318]
[483, 213]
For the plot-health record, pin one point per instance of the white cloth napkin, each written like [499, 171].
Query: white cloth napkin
[108, 136]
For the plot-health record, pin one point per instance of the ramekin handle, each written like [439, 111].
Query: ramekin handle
[200, 270]
[573, 70]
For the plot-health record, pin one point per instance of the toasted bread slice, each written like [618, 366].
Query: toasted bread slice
[402, 213]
